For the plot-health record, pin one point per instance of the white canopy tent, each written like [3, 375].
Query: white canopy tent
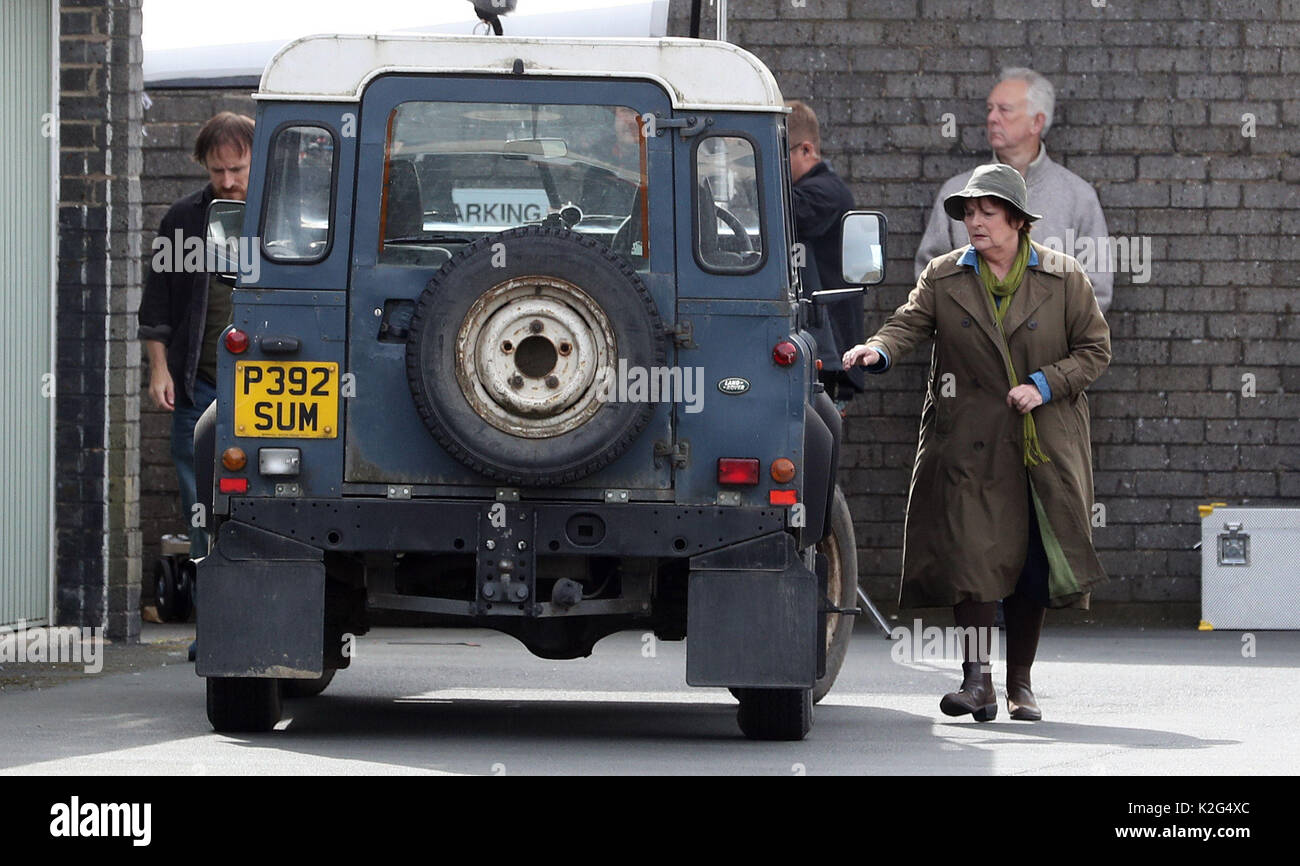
[230, 44]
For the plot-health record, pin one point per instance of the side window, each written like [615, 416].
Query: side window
[296, 227]
[728, 224]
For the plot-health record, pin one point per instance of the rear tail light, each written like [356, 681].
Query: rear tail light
[785, 353]
[236, 341]
[737, 470]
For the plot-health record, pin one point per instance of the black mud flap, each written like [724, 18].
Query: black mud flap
[262, 606]
[751, 618]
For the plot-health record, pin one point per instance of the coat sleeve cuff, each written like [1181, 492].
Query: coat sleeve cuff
[883, 364]
[161, 333]
[1040, 381]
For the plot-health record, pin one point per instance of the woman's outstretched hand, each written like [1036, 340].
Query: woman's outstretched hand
[860, 354]
[1024, 398]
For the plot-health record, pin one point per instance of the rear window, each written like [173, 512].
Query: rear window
[296, 229]
[458, 171]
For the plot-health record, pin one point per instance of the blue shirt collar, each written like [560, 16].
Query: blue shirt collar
[970, 258]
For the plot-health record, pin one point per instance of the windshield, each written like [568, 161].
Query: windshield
[458, 171]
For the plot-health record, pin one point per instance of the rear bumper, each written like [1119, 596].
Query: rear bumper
[652, 529]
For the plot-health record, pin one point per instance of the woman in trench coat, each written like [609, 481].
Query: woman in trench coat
[1001, 494]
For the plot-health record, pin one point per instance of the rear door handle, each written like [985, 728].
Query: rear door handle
[280, 345]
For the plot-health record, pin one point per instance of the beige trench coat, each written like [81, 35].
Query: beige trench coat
[968, 507]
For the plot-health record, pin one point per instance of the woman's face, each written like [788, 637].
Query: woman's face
[990, 227]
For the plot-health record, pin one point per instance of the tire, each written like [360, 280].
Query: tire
[841, 552]
[306, 688]
[243, 705]
[169, 590]
[573, 310]
[775, 714]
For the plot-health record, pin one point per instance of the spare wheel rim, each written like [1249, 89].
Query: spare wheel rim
[534, 355]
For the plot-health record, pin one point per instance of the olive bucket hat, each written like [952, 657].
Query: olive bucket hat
[998, 180]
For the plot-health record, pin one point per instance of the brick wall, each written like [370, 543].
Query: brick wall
[1150, 105]
[97, 459]
[171, 123]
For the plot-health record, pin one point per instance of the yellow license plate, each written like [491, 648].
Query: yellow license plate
[287, 400]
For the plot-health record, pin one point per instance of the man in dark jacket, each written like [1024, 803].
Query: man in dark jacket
[820, 200]
[182, 312]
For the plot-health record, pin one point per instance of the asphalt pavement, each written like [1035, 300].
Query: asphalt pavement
[1116, 701]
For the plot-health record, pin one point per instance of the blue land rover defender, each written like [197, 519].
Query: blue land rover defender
[523, 348]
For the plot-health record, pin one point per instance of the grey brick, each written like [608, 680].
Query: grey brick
[1204, 458]
[1271, 195]
[1172, 167]
[1168, 430]
[1256, 431]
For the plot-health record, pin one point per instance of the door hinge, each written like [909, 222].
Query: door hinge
[688, 126]
[683, 334]
[678, 453]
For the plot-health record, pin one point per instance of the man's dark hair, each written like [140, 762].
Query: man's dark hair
[802, 125]
[222, 130]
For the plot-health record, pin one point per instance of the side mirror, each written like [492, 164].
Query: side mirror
[862, 247]
[225, 222]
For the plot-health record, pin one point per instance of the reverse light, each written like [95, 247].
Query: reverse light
[234, 459]
[785, 353]
[236, 341]
[737, 470]
[782, 470]
[233, 485]
[279, 461]
[783, 497]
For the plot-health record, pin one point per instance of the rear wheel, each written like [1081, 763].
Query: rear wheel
[173, 601]
[243, 705]
[841, 552]
[775, 714]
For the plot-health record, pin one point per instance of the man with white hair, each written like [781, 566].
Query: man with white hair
[1019, 114]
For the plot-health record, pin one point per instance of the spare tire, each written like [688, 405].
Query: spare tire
[513, 347]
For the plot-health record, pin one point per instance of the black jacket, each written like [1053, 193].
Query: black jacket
[175, 303]
[820, 200]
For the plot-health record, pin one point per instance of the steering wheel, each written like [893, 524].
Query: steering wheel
[737, 228]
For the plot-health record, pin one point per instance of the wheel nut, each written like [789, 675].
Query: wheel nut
[516, 381]
[535, 326]
[552, 382]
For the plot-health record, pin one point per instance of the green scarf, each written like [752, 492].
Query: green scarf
[1005, 289]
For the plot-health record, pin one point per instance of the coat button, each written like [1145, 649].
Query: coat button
[1033, 323]
[965, 323]
[979, 446]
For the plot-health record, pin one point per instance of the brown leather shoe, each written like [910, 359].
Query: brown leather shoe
[1021, 703]
[976, 695]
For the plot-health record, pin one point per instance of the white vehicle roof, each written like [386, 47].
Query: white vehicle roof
[697, 74]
